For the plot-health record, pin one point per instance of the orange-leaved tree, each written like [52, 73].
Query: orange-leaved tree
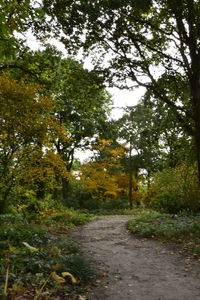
[104, 177]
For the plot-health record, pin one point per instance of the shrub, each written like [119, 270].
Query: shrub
[79, 198]
[184, 229]
[174, 190]
[31, 252]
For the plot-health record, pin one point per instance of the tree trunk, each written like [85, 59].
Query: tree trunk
[4, 201]
[56, 189]
[195, 94]
[65, 186]
[40, 193]
[196, 106]
[130, 180]
[148, 178]
[130, 190]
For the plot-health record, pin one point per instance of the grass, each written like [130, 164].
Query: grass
[33, 257]
[64, 218]
[182, 229]
[111, 212]
[36, 250]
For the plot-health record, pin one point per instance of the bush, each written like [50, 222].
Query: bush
[184, 229]
[65, 218]
[32, 251]
[174, 190]
[79, 198]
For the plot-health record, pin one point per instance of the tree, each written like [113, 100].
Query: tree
[142, 37]
[20, 16]
[103, 176]
[25, 128]
[172, 143]
[81, 101]
[82, 107]
[16, 19]
[138, 129]
[152, 133]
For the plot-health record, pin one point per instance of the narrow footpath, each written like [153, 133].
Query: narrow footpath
[136, 269]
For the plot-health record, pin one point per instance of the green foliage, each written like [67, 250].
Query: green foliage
[138, 37]
[79, 198]
[181, 228]
[66, 218]
[79, 267]
[174, 190]
[111, 211]
[15, 230]
[52, 252]
[61, 115]
[25, 128]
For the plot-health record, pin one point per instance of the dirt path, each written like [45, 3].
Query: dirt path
[137, 269]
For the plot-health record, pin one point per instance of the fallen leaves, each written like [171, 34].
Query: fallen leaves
[57, 278]
[32, 249]
[67, 274]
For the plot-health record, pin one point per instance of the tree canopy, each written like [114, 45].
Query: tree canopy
[155, 44]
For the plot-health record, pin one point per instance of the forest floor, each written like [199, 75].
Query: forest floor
[136, 269]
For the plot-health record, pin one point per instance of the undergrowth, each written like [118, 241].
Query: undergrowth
[36, 261]
[184, 229]
[111, 212]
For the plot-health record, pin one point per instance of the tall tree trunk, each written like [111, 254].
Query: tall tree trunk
[130, 180]
[40, 193]
[4, 200]
[148, 178]
[195, 94]
[196, 107]
[56, 189]
[65, 182]
[65, 186]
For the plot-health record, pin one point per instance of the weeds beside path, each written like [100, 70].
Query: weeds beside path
[134, 268]
[38, 260]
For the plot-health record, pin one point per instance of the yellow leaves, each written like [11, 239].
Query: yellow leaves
[117, 152]
[57, 251]
[44, 167]
[67, 274]
[57, 278]
[16, 89]
[49, 212]
[123, 182]
[104, 179]
[98, 176]
[111, 193]
[58, 130]
[6, 282]
[31, 249]
[102, 144]
[11, 249]
[61, 280]
[24, 115]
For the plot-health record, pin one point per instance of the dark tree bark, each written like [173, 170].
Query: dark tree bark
[196, 109]
[65, 187]
[130, 180]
